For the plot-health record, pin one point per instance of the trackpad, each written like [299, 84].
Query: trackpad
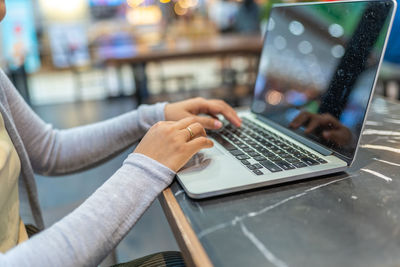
[202, 160]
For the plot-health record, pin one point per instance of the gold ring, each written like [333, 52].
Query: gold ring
[190, 132]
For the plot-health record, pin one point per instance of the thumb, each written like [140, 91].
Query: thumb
[209, 123]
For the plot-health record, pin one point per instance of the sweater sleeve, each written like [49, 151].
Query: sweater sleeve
[57, 152]
[90, 232]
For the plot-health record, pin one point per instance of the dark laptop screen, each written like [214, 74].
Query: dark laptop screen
[318, 67]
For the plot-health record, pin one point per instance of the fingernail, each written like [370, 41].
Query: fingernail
[217, 124]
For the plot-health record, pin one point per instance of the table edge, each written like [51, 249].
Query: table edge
[192, 250]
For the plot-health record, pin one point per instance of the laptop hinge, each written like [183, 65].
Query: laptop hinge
[311, 144]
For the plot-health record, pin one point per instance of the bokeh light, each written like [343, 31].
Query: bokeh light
[59, 10]
[274, 97]
[179, 10]
[134, 3]
[280, 42]
[144, 15]
[335, 30]
[305, 47]
[337, 51]
[296, 28]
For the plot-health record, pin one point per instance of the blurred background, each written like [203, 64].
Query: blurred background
[102, 49]
[81, 61]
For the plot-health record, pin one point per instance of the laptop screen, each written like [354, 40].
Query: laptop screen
[318, 67]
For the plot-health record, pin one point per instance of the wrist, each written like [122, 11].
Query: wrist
[152, 167]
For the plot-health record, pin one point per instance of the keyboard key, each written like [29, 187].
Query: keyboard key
[243, 146]
[223, 142]
[254, 154]
[233, 139]
[269, 145]
[242, 157]
[251, 167]
[300, 164]
[237, 142]
[258, 147]
[270, 166]
[236, 152]
[246, 162]
[309, 161]
[258, 166]
[240, 135]
[268, 154]
[298, 154]
[259, 139]
[279, 152]
[258, 172]
[284, 165]
[321, 160]
[274, 158]
[248, 150]
[259, 158]
[292, 160]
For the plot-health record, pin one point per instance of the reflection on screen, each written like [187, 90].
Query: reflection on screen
[318, 68]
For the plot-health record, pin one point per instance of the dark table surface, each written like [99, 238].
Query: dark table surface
[344, 219]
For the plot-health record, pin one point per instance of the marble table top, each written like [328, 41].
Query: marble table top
[345, 219]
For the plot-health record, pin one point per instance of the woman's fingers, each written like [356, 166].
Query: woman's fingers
[171, 145]
[330, 121]
[227, 111]
[206, 122]
[300, 120]
[341, 136]
[183, 123]
[196, 106]
[215, 107]
[209, 123]
[193, 131]
[198, 144]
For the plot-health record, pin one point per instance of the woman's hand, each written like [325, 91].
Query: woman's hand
[194, 107]
[330, 127]
[172, 143]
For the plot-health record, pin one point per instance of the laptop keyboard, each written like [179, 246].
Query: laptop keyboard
[251, 143]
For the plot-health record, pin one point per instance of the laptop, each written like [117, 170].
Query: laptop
[316, 77]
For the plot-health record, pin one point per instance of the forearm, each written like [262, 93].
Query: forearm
[54, 152]
[88, 234]
[79, 148]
